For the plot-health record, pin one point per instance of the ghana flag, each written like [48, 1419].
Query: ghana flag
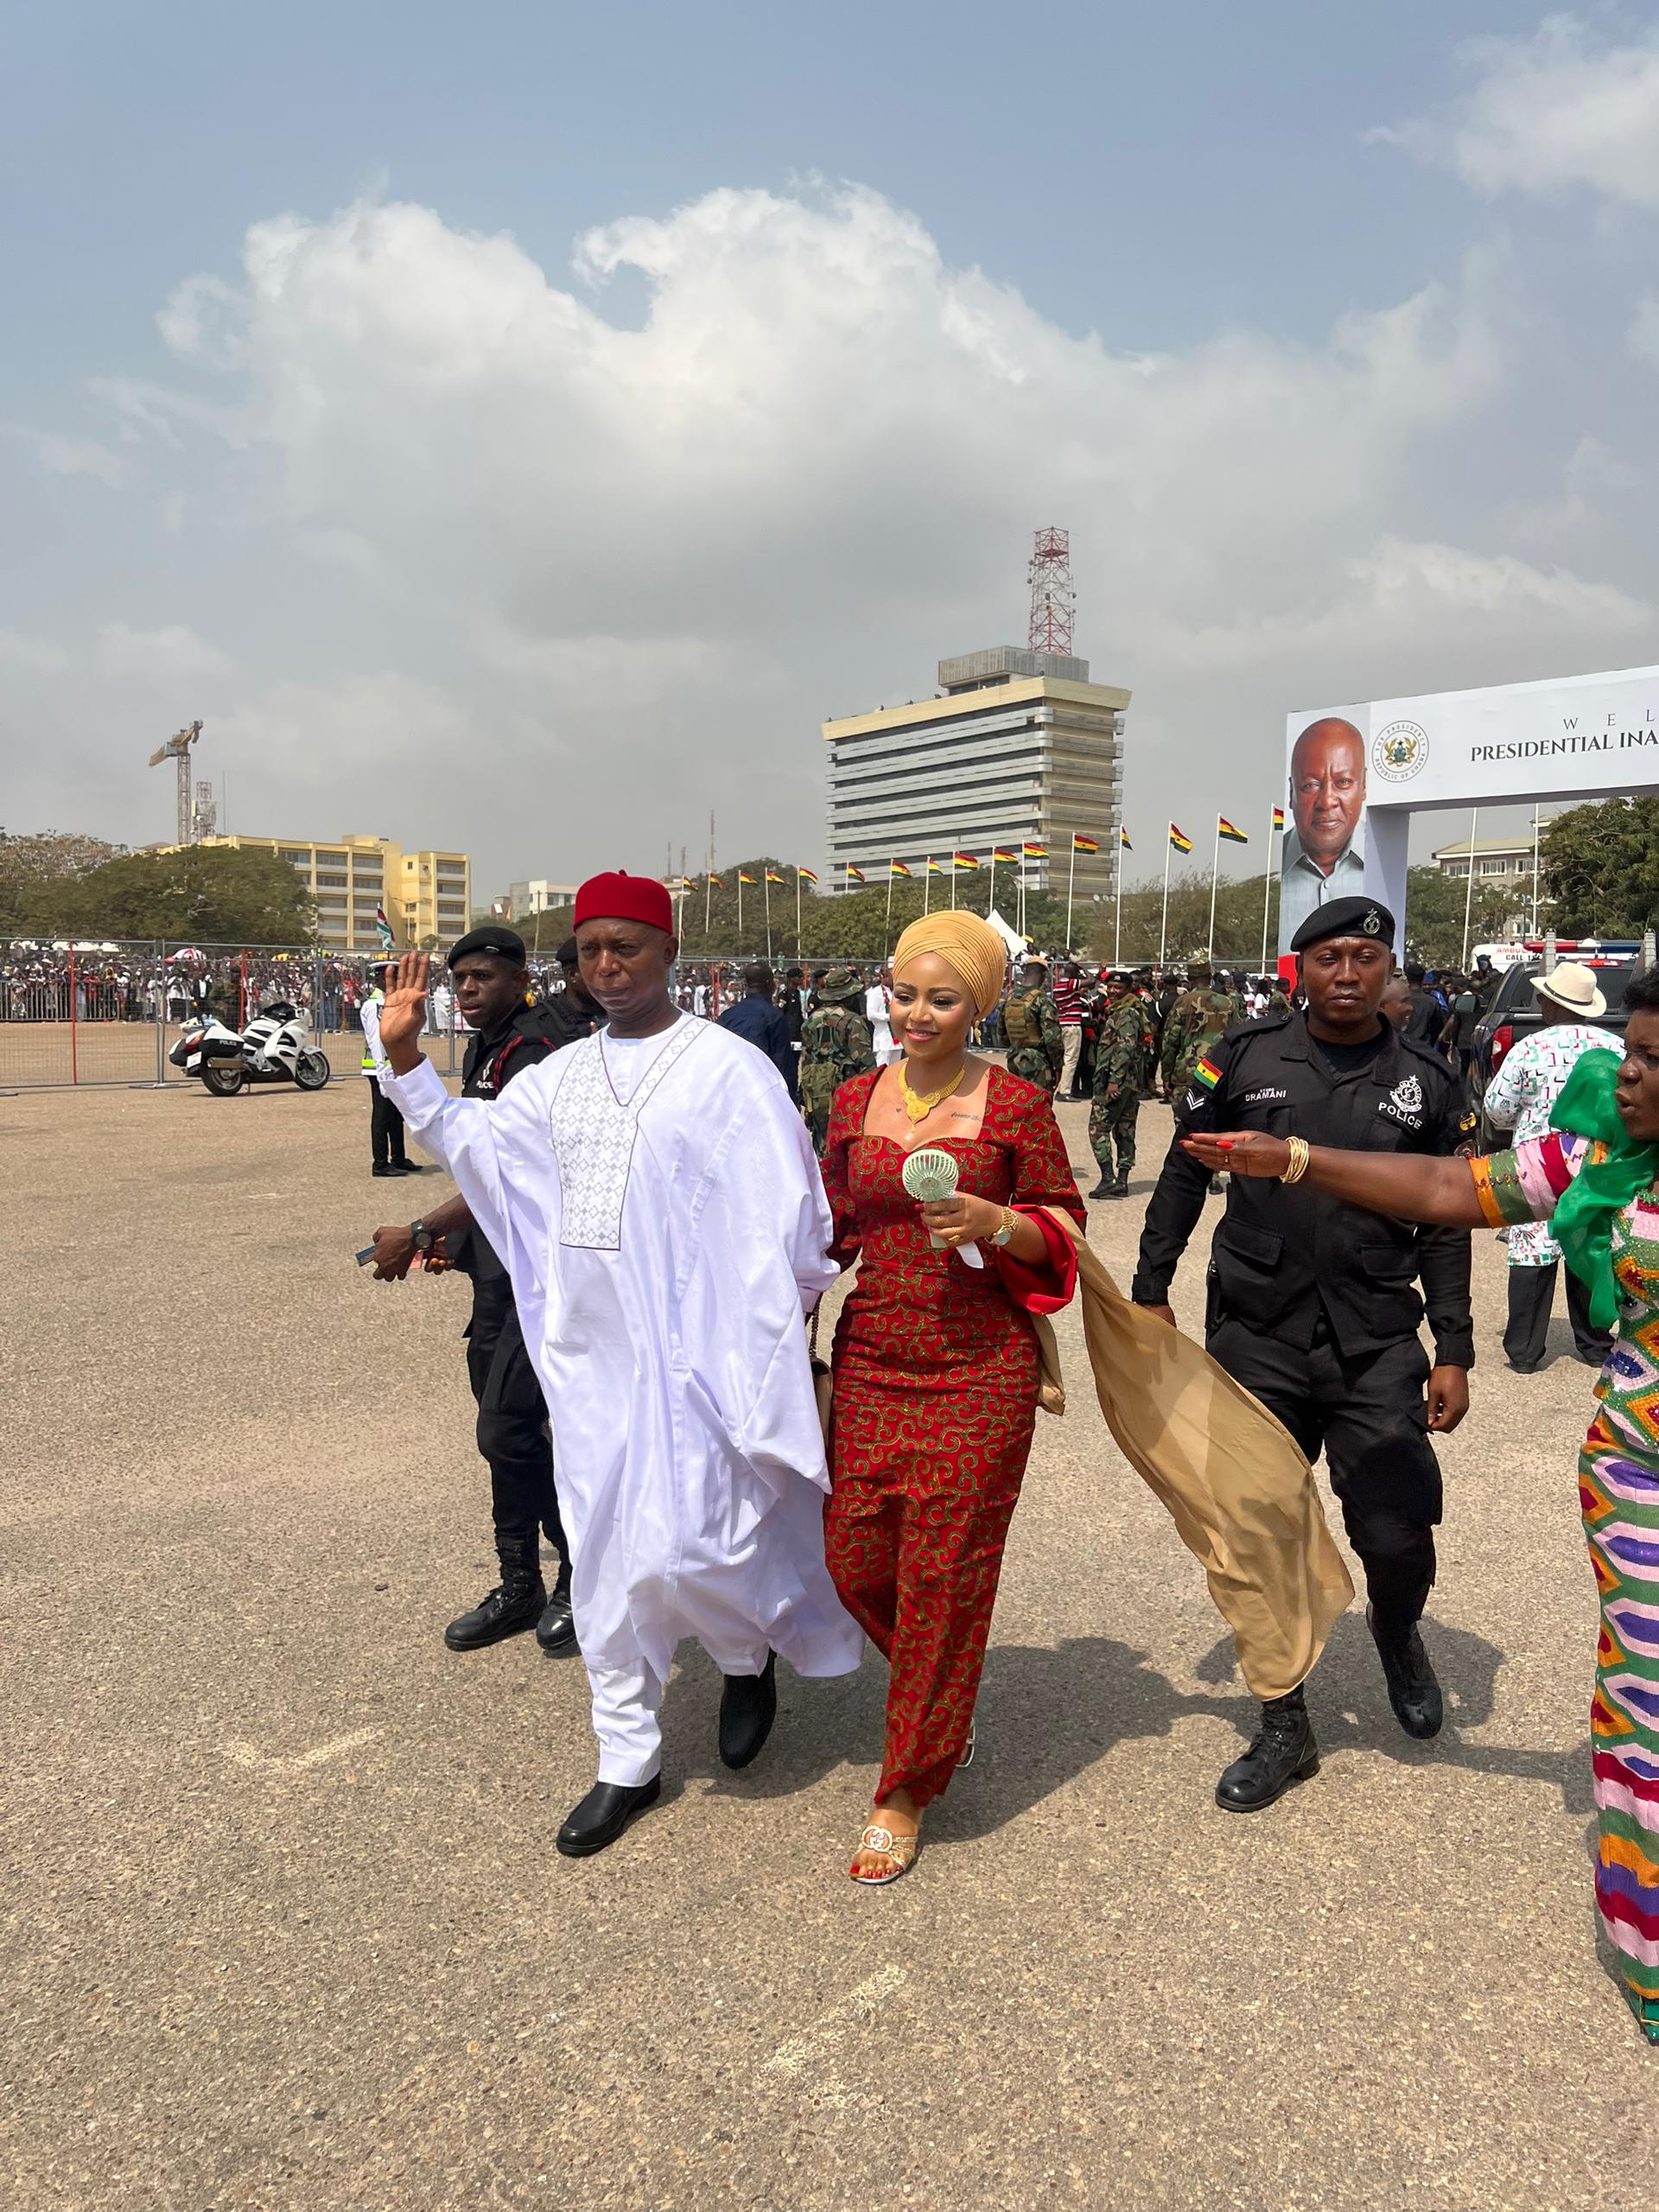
[1278, 817]
[963, 860]
[1123, 840]
[743, 876]
[1035, 852]
[897, 868]
[1082, 844]
[806, 876]
[1207, 1073]
[938, 868]
[1181, 844]
[1228, 834]
[774, 876]
[1003, 855]
[854, 874]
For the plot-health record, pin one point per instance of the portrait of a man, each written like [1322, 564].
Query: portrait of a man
[1324, 855]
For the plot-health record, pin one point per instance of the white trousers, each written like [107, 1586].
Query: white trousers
[1071, 1040]
[626, 1701]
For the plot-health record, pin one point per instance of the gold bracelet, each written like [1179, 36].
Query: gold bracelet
[1300, 1152]
[1005, 1227]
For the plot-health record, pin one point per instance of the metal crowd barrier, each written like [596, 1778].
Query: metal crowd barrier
[108, 1011]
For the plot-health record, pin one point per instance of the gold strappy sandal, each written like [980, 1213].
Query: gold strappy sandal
[900, 1849]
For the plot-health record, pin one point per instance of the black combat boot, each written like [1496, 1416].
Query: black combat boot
[1103, 1189]
[1284, 1752]
[1412, 1691]
[1120, 1189]
[515, 1603]
[555, 1632]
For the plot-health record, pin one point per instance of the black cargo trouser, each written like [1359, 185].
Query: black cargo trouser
[386, 1129]
[1370, 1418]
[513, 1433]
[1532, 1294]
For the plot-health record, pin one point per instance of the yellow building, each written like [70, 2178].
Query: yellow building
[426, 894]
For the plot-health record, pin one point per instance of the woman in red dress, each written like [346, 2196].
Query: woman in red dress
[935, 1366]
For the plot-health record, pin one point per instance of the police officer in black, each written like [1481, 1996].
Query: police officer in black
[1313, 1305]
[566, 1016]
[510, 1033]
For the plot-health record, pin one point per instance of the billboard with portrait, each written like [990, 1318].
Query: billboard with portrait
[1356, 774]
[1324, 853]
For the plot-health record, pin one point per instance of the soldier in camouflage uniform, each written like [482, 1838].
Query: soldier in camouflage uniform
[1119, 1065]
[835, 1047]
[1198, 1019]
[1036, 1048]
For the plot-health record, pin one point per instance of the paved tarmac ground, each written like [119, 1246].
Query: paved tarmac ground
[283, 1926]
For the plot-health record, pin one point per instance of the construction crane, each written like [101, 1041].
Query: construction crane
[178, 748]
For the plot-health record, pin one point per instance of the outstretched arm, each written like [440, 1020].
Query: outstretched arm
[1405, 1185]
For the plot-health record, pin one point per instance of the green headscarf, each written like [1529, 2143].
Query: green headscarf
[1582, 1223]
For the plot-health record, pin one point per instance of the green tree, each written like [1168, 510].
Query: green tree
[202, 894]
[1434, 916]
[33, 861]
[1600, 868]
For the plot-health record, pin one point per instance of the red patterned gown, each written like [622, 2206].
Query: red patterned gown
[935, 1380]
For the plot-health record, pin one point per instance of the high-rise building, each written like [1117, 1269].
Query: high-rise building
[425, 894]
[1020, 749]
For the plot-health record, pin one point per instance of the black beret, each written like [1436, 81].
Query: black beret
[507, 945]
[1345, 917]
[566, 955]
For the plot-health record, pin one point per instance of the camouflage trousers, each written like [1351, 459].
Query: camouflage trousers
[1111, 1120]
[817, 1127]
[1031, 1065]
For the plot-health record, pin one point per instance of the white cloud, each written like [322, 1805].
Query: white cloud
[616, 575]
[65, 456]
[31, 656]
[157, 655]
[1561, 110]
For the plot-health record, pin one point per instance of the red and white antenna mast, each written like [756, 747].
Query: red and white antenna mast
[1053, 602]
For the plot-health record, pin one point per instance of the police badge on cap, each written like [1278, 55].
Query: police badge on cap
[1365, 917]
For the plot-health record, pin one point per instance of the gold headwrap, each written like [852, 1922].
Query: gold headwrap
[970, 947]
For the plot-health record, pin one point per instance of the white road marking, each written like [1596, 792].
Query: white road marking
[793, 2058]
[249, 1755]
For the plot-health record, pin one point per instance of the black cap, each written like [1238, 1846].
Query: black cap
[1345, 917]
[506, 944]
[566, 955]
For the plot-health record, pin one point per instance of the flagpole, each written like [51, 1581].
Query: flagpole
[1469, 894]
[1117, 920]
[1266, 893]
[888, 931]
[1215, 876]
[1071, 881]
[1163, 933]
[798, 954]
[766, 894]
[953, 882]
[990, 904]
[927, 887]
[740, 912]
[708, 904]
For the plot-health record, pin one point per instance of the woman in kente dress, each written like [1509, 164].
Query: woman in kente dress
[936, 1364]
[1595, 1179]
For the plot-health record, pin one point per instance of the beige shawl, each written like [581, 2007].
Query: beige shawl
[1229, 1474]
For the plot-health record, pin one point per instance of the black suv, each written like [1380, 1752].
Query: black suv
[1513, 1012]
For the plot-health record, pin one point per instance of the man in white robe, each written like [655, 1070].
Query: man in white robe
[653, 1196]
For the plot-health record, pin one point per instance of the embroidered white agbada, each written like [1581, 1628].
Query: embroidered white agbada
[657, 1205]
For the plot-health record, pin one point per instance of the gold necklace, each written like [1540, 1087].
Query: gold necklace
[919, 1104]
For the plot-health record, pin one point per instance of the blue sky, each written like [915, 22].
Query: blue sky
[1327, 331]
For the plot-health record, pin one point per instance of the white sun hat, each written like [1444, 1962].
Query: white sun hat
[1573, 986]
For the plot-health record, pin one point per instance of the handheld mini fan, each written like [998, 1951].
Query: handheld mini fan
[930, 1177]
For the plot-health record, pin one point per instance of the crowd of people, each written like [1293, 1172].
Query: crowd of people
[652, 1205]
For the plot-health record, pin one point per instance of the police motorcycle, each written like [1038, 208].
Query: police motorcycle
[273, 1048]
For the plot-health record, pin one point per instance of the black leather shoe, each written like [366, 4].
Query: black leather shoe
[1413, 1690]
[385, 1167]
[602, 1815]
[1284, 1753]
[409, 1166]
[509, 1608]
[1120, 1189]
[555, 1632]
[748, 1706]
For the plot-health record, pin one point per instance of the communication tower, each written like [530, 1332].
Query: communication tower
[1053, 602]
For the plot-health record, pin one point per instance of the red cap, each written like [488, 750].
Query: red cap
[620, 897]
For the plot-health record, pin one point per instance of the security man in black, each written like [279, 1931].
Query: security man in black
[491, 980]
[1313, 1305]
